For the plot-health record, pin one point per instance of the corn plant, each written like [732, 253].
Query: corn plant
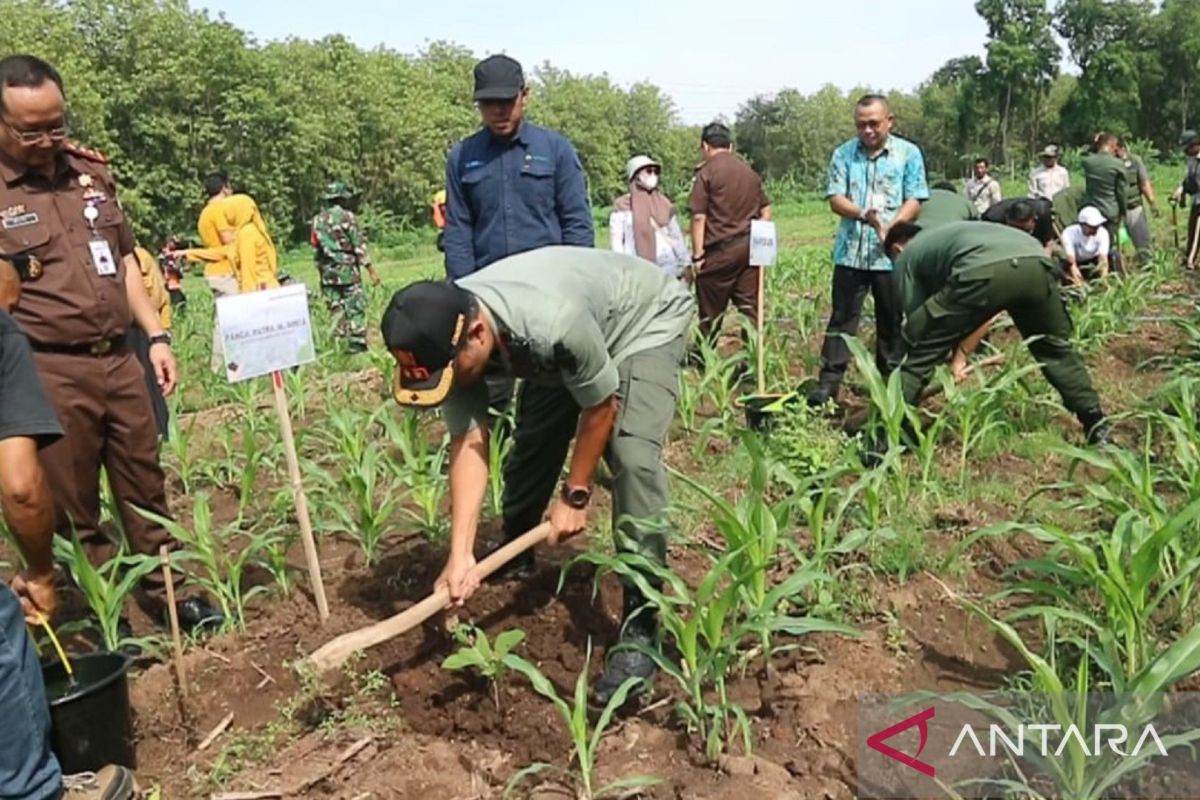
[1076, 774]
[426, 491]
[585, 738]
[707, 626]
[500, 442]
[1140, 587]
[362, 499]
[254, 457]
[273, 559]
[182, 452]
[217, 566]
[490, 661]
[107, 586]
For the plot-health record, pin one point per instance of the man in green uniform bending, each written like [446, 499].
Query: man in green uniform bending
[340, 250]
[944, 205]
[957, 276]
[598, 338]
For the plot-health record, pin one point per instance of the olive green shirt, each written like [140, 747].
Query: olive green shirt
[1066, 206]
[944, 206]
[568, 316]
[1135, 176]
[1104, 185]
[960, 250]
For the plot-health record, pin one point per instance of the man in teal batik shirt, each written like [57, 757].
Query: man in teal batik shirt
[875, 181]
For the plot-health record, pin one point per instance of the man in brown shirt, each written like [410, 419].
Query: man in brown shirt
[59, 208]
[727, 195]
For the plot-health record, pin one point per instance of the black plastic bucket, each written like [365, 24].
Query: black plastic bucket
[91, 721]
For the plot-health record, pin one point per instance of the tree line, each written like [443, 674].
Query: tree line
[170, 93]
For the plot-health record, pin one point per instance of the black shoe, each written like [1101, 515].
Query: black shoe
[521, 568]
[821, 395]
[357, 347]
[1096, 426]
[629, 659]
[196, 615]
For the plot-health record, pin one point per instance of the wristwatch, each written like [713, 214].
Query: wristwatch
[161, 338]
[576, 496]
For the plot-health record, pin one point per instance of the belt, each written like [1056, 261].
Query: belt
[102, 347]
[721, 244]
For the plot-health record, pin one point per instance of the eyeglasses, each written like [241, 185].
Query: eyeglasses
[56, 134]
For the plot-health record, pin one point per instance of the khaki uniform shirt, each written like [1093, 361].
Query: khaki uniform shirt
[70, 303]
[568, 316]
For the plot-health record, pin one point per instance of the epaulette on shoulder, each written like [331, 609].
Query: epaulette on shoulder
[76, 149]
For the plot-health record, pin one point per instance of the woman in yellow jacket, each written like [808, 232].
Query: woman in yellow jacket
[252, 252]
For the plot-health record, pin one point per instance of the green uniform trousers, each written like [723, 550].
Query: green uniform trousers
[1027, 288]
[546, 420]
[348, 304]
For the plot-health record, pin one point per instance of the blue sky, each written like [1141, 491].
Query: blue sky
[709, 56]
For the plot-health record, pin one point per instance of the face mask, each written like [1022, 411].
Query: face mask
[648, 180]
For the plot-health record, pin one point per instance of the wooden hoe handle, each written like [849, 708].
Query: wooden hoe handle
[334, 653]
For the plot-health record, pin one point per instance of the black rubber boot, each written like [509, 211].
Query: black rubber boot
[1096, 426]
[521, 568]
[639, 628]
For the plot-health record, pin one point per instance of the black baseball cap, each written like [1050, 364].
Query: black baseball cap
[498, 78]
[423, 327]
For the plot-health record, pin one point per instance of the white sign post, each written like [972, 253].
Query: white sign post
[266, 332]
[764, 248]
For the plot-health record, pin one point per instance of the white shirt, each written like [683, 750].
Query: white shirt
[983, 193]
[1046, 183]
[672, 253]
[1084, 248]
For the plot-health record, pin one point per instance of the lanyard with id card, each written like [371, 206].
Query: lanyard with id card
[102, 256]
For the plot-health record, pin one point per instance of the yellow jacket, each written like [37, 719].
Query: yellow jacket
[209, 226]
[252, 253]
[155, 287]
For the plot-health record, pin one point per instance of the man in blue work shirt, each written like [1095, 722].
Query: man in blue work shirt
[876, 180]
[513, 186]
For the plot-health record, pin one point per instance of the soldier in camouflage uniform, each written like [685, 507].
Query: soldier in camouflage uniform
[340, 251]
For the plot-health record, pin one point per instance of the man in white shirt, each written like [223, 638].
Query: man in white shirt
[982, 189]
[1086, 245]
[1051, 177]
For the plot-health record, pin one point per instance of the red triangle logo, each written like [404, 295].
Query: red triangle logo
[921, 722]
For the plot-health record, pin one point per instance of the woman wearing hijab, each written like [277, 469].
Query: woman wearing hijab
[643, 221]
[251, 251]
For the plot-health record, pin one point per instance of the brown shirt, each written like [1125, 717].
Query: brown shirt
[729, 194]
[69, 303]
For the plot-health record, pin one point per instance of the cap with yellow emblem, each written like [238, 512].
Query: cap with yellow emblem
[423, 328]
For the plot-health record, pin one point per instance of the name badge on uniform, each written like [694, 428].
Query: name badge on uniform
[102, 258]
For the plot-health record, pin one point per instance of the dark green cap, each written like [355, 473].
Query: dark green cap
[338, 190]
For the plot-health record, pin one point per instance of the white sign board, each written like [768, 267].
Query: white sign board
[265, 331]
[763, 245]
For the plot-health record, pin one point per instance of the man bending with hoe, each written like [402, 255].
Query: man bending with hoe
[598, 338]
[959, 275]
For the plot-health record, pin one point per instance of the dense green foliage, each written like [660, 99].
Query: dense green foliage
[170, 94]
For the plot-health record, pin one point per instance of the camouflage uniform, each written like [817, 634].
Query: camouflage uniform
[340, 251]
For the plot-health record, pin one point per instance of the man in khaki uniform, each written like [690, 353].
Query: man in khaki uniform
[727, 195]
[598, 338]
[59, 208]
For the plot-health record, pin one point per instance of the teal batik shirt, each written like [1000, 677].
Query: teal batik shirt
[884, 183]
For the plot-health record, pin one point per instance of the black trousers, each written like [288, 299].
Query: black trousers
[850, 288]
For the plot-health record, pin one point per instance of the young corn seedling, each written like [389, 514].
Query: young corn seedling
[585, 738]
[1074, 772]
[707, 628]
[500, 442]
[426, 490]
[490, 661]
[217, 567]
[889, 414]
[182, 453]
[107, 586]
[1142, 588]
[363, 501]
